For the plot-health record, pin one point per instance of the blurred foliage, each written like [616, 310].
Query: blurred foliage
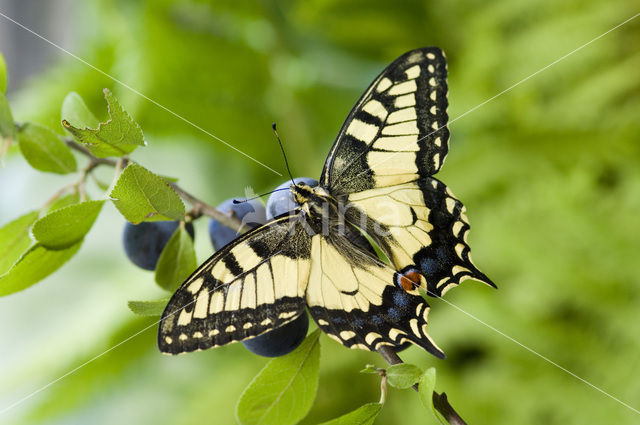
[549, 172]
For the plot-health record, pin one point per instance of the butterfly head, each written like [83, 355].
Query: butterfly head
[312, 200]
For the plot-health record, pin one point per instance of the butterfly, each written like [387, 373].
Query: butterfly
[376, 198]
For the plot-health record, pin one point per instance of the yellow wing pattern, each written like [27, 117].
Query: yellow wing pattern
[363, 305]
[397, 131]
[249, 287]
[422, 227]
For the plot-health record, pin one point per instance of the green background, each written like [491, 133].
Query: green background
[549, 172]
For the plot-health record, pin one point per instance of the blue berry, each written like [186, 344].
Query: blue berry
[282, 202]
[144, 242]
[280, 341]
[251, 213]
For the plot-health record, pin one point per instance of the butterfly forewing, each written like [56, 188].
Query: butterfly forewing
[397, 131]
[250, 286]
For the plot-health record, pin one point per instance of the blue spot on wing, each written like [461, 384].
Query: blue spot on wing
[401, 299]
[429, 266]
[394, 314]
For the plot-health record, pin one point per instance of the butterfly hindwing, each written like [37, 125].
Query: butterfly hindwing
[361, 303]
[397, 131]
[421, 226]
[252, 285]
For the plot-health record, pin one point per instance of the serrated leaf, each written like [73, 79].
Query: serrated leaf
[141, 195]
[44, 150]
[4, 82]
[75, 111]
[117, 136]
[7, 126]
[177, 260]
[66, 226]
[14, 240]
[64, 201]
[148, 308]
[426, 388]
[364, 415]
[403, 375]
[283, 392]
[33, 266]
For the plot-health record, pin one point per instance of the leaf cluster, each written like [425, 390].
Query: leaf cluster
[39, 242]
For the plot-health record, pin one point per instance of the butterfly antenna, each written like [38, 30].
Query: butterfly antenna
[242, 201]
[283, 154]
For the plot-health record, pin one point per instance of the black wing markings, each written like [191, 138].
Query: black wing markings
[229, 311]
[400, 120]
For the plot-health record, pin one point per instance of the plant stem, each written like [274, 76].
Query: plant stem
[199, 207]
[202, 208]
[440, 401]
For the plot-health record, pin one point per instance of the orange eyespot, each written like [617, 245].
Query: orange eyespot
[410, 280]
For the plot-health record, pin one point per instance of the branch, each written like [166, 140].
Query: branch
[199, 207]
[202, 208]
[440, 402]
[442, 405]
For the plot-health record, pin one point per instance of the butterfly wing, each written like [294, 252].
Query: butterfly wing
[421, 226]
[250, 286]
[397, 131]
[393, 141]
[359, 302]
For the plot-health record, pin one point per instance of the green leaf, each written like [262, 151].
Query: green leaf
[118, 136]
[7, 126]
[14, 240]
[3, 75]
[364, 415]
[75, 111]
[403, 375]
[44, 150]
[64, 201]
[141, 195]
[147, 308]
[283, 392]
[34, 265]
[426, 388]
[177, 260]
[66, 226]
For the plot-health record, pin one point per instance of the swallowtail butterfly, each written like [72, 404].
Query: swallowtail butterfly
[377, 181]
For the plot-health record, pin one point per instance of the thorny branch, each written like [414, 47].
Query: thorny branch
[199, 207]
[440, 401]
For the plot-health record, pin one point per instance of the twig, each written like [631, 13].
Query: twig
[442, 405]
[86, 152]
[383, 388]
[440, 401]
[199, 207]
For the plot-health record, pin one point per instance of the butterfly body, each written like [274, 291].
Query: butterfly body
[377, 185]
